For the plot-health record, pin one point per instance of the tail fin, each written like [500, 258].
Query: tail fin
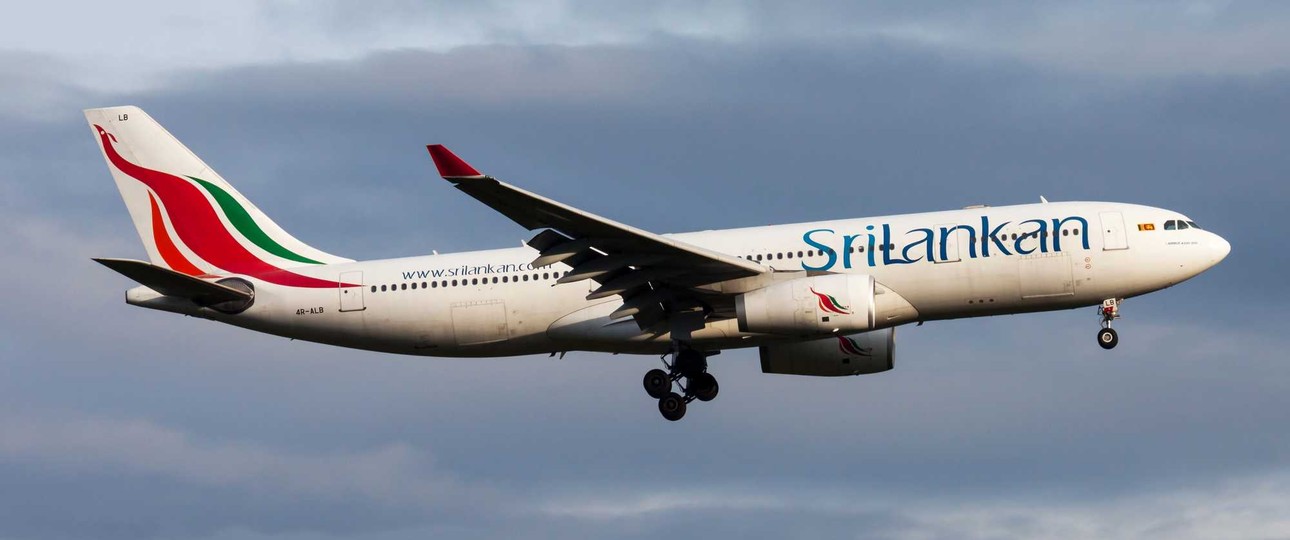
[191, 220]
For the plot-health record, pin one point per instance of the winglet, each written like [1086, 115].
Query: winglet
[450, 166]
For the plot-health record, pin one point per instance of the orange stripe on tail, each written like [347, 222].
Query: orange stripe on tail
[169, 253]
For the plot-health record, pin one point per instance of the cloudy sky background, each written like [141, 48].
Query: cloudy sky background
[117, 422]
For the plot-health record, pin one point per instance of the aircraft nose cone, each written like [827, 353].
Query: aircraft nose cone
[1220, 248]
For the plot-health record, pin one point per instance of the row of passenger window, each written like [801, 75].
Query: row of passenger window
[1169, 225]
[888, 247]
[466, 282]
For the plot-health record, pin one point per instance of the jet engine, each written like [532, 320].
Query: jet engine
[816, 305]
[834, 356]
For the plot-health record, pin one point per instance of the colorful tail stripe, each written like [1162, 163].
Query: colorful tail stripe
[242, 221]
[169, 253]
[829, 304]
[199, 227]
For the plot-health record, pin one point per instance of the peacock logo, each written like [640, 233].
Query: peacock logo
[849, 346]
[197, 225]
[829, 304]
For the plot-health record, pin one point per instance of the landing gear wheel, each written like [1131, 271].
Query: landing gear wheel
[1107, 338]
[704, 386]
[657, 383]
[672, 406]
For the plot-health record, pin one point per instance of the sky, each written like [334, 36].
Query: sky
[123, 423]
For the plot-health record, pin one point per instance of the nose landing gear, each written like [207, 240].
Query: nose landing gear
[689, 371]
[1110, 311]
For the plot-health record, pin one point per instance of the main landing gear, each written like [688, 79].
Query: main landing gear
[689, 371]
[1110, 311]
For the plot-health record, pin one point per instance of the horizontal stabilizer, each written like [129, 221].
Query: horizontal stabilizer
[172, 283]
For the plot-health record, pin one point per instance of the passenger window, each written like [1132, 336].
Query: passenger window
[423, 284]
[414, 286]
[454, 283]
[382, 288]
[779, 255]
[434, 284]
[799, 254]
[1171, 225]
[494, 280]
[546, 275]
[405, 286]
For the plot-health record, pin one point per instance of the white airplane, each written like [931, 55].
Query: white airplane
[819, 298]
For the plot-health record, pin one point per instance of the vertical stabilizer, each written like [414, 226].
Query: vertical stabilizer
[189, 218]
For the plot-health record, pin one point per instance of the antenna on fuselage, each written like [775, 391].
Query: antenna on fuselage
[1043, 200]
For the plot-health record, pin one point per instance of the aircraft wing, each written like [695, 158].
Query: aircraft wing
[654, 275]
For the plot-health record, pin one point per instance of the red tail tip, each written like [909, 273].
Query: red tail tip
[449, 165]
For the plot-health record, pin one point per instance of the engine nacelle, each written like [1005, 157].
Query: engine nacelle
[835, 356]
[828, 304]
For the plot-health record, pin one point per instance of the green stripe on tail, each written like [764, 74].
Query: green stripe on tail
[242, 220]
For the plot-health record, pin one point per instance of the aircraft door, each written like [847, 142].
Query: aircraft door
[351, 298]
[479, 322]
[1046, 275]
[948, 241]
[1113, 232]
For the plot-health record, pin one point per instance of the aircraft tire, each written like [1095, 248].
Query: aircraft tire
[704, 386]
[1107, 338]
[657, 383]
[672, 406]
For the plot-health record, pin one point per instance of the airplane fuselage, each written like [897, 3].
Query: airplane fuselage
[929, 266]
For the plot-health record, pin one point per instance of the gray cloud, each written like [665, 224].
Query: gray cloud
[149, 425]
[1133, 40]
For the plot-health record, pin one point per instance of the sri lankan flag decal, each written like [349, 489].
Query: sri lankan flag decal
[1146, 226]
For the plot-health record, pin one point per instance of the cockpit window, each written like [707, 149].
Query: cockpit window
[1182, 224]
[1171, 225]
[1193, 224]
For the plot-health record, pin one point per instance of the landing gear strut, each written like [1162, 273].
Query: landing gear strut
[1110, 311]
[688, 370]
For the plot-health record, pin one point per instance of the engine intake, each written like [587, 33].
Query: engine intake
[833, 303]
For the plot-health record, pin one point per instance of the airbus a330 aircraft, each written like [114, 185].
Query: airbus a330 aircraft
[819, 298]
